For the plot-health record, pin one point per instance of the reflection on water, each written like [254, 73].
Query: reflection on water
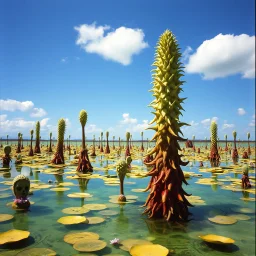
[42, 218]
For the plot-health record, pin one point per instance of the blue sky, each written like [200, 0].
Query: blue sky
[58, 57]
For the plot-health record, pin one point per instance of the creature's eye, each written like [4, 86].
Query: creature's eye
[19, 188]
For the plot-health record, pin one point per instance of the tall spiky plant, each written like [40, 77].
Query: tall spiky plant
[142, 147]
[127, 151]
[249, 148]
[59, 156]
[226, 139]
[21, 141]
[50, 147]
[107, 149]
[31, 153]
[130, 142]
[205, 142]
[235, 152]
[167, 197]
[114, 142]
[19, 144]
[7, 136]
[93, 147]
[37, 146]
[84, 164]
[214, 154]
[101, 141]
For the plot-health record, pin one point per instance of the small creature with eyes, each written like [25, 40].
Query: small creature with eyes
[20, 188]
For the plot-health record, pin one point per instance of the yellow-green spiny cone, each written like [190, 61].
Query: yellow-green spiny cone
[37, 130]
[248, 135]
[107, 134]
[214, 134]
[61, 130]
[83, 117]
[166, 89]
[128, 136]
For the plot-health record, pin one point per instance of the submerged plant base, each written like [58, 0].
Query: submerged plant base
[121, 198]
[84, 164]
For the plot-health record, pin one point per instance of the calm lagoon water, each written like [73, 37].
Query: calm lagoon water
[183, 238]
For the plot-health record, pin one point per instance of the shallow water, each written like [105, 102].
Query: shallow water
[183, 238]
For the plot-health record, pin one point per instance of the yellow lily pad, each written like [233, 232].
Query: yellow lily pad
[70, 220]
[128, 243]
[224, 220]
[79, 195]
[13, 235]
[95, 207]
[59, 189]
[95, 220]
[75, 210]
[149, 250]
[215, 239]
[72, 238]
[89, 245]
[5, 217]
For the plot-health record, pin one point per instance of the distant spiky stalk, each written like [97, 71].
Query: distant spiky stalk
[101, 145]
[193, 137]
[50, 147]
[21, 140]
[59, 156]
[114, 142]
[84, 164]
[93, 147]
[83, 120]
[214, 155]
[127, 152]
[37, 146]
[167, 197]
[235, 152]
[107, 149]
[249, 148]
[130, 142]
[226, 139]
[142, 148]
[31, 153]
[19, 144]
[7, 136]
[119, 142]
[205, 142]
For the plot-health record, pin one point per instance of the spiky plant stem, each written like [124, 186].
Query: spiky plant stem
[37, 146]
[142, 148]
[235, 152]
[214, 155]
[101, 142]
[167, 197]
[93, 147]
[249, 148]
[19, 144]
[107, 149]
[50, 147]
[127, 151]
[31, 153]
[59, 156]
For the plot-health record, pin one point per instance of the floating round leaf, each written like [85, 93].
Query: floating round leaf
[243, 210]
[36, 252]
[59, 189]
[225, 220]
[5, 217]
[128, 243]
[240, 216]
[69, 220]
[79, 195]
[149, 250]
[72, 238]
[89, 245]
[13, 235]
[95, 206]
[95, 220]
[215, 239]
[75, 210]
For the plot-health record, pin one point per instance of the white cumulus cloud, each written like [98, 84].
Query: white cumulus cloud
[241, 112]
[38, 112]
[44, 122]
[128, 120]
[92, 128]
[226, 126]
[13, 105]
[118, 45]
[224, 55]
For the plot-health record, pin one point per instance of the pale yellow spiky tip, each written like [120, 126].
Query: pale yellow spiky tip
[83, 117]
[128, 135]
[234, 134]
